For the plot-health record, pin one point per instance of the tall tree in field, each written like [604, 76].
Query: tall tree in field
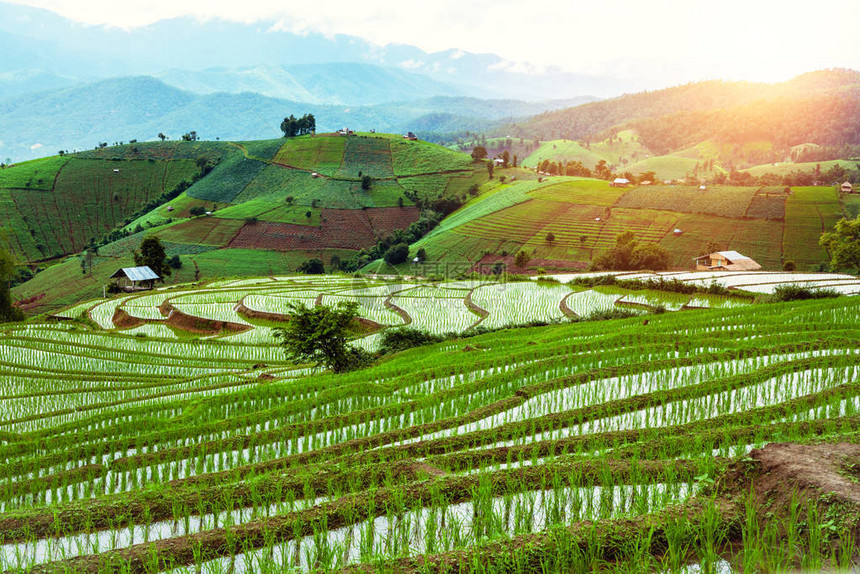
[152, 255]
[479, 153]
[7, 270]
[843, 244]
[319, 334]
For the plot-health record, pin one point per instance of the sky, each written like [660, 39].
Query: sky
[691, 40]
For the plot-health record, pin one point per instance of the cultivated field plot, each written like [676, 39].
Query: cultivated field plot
[751, 281]
[519, 450]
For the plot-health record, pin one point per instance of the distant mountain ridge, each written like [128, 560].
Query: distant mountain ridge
[121, 109]
[344, 83]
[593, 119]
[32, 38]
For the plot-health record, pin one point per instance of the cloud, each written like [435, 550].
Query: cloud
[410, 64]
[36, 146]
[518, 68]
[577, 36]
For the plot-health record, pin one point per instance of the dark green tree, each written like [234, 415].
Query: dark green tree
[479, 153]
[313, 266]
[152, 255]
[293, 126]
[843, 244]
[319, 335]
[421, 255]
[628, 255]
[366, 182]
[522, 258]
[650, 256]
[7, 272]
[397, 254]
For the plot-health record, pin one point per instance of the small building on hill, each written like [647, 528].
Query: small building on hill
[726, 261]
[847, 187]
[136, 278]
[410, 136]
[620, 182]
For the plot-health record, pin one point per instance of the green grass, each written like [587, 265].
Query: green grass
[90, 198]
[578, 190]
[269, 211]
[212, 151]
[228, 179]
[565, 151]
[784, 168]
[417, 157]
[623, 146]
[368, 155]
[202, 230]
[322, 154]
[35, 174]
[666, 167]
[718, 200]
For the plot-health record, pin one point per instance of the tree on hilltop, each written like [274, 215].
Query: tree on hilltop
[293, 126]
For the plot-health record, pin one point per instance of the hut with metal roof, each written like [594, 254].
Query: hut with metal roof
[136, 278]
[726, 261]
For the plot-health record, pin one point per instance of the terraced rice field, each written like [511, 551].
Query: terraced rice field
[567, 447]
[227, 309]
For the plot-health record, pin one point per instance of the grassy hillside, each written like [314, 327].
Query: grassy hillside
[689, 102]
[268, 212]
[583, 216]
[53, 207]
[618, 150]
[707, 129]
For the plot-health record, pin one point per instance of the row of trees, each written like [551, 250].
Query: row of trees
[293, 126]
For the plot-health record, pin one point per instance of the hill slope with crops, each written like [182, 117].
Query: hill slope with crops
[565, 222]
[556, 448]
[225, 209]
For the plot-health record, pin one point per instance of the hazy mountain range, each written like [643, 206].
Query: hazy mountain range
[65, 85]
[35, 39]
[82, 115]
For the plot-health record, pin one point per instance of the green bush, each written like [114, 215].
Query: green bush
[402, 338]
[313, 266]
[397, 254]
[793, 292]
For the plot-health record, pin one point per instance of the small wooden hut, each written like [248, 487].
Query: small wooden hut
[136, 278]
